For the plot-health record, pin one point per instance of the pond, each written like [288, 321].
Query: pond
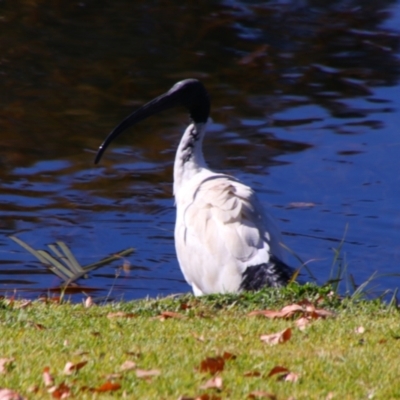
[305, 107]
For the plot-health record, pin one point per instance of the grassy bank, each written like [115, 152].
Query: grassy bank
[209, 348]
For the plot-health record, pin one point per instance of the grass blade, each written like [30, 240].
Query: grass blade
[106, 260]
[29, 249]
[71, 258]
[56, 264]
[303, 264]
[360, 292]
[97, 264]
[60, 256]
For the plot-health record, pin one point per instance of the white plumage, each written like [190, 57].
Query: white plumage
[223, 239]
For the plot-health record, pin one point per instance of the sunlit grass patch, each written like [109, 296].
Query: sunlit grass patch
[180, 345]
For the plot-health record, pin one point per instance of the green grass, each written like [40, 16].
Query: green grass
[330, 358]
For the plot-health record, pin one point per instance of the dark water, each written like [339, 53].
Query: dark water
[306, 100]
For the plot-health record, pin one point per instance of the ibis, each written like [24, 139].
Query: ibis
[224, 240]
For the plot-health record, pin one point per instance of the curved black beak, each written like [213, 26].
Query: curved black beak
[190, 93]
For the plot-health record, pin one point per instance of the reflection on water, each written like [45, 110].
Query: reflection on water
[305, 104]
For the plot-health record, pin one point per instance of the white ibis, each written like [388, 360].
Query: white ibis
[223, 239]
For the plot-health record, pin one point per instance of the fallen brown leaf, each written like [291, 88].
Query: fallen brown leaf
[321, 313]
[33, 389]
[108, 387]
[207, 396]
[8, 394]
[251, 374]
[228, 356]
[128, 365]
[212, 365]
[266, 313]
[289, 311]
[213, 383]
[277, 338]
[141, 373]
[36, 325]
[88, 302]
[62, 391]
[5, 364]
[291, 377]
[285, 312]
[302, 323]
[169, 314]
[133, 353]
[257, 394]
[185, 306]
[278, 370]
[305, 308]
[70, 367]
[47, 377]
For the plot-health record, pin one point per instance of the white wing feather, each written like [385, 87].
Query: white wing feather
[220, 231]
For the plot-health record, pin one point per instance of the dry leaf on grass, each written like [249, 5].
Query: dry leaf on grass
[185, 306]
[62, 391]
[128, 365]
[5, 364]
[8, 394]
[228, 356]
[88, 302]
[212, 365]
[169, 314]
[108, 387]
[291, 377]
[283, 374]
[252, 374]
[285, 312]
[311, 311]
[207, 396]
[142, 373]
[302, 323]
[305, 308]
[70, 367]
[259, 394]
[40, 327]
[215, 364]
[277, 338]
[278, 370]
[33, 389]
[213, 383]
[48, 379]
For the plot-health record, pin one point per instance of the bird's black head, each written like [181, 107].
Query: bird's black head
[194, 96]
[189, 93]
